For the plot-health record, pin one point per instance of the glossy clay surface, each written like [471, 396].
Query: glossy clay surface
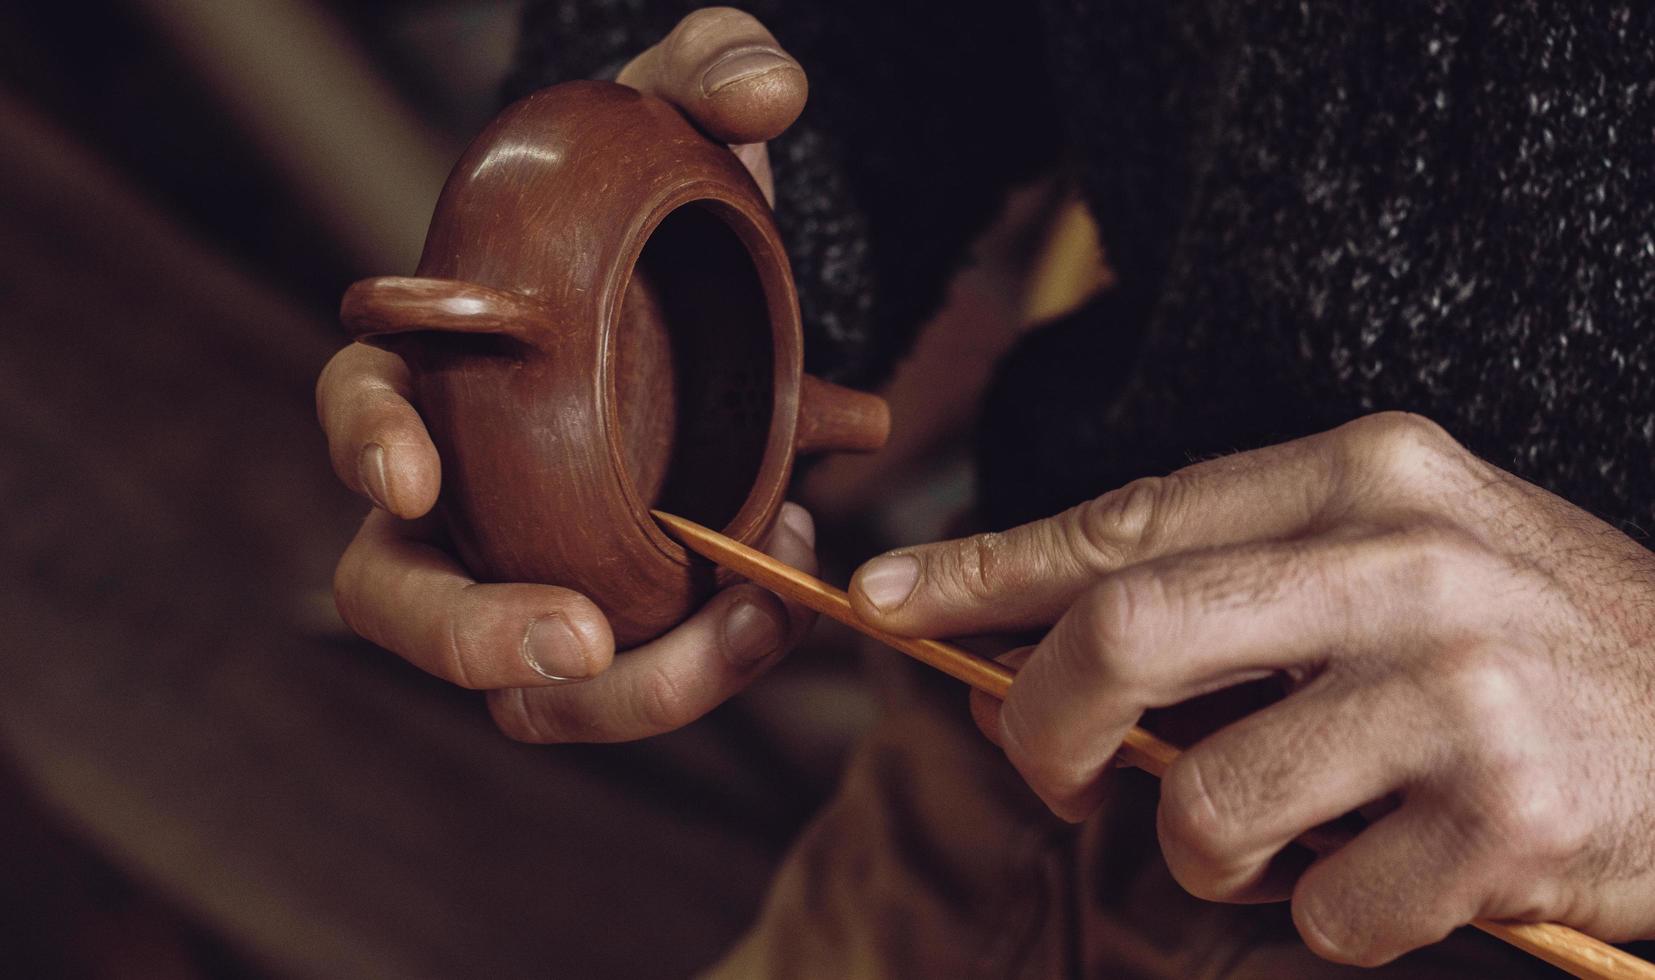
[603, 321]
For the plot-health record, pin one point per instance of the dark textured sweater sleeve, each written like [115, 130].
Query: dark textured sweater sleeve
[917, 124]
[1318, 211]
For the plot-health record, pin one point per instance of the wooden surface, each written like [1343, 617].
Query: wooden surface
[1563, 947]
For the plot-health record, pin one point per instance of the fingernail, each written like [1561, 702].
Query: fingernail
[739, 64]
[798, 520]
[553, 650]
[370, 469]
[751, 633]
[888, 581]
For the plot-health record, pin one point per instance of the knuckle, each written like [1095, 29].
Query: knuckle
[516, 719]
[454, 638]
[338, 382]
[1120, 620]
[1519, 814]
[455, 644]
[661, 702]
[1513, 804]
[1483, 694]
[1192, 819]
[1127, 521]
[1540, 824]
[1400, 446]
[1405, 433]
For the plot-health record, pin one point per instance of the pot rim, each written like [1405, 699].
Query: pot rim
[753, 226]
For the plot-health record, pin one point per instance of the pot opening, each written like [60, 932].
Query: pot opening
[694, 370]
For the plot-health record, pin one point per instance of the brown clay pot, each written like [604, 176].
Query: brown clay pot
[604, 322]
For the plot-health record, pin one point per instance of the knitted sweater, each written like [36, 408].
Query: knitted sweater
[1315, 211]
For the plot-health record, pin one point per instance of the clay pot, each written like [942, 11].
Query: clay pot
[603, 322]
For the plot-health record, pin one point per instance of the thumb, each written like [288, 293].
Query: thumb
[722, 68]
[1000, 582]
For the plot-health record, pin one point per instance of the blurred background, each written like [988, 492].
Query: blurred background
[201, 772]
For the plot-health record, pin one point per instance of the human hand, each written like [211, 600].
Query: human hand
[546, 654]
[727, 73]
[1465, 649]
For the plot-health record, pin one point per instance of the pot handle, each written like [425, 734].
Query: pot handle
[836, 419]
[404, 304]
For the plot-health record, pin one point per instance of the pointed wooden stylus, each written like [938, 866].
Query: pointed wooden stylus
[1140, 749]
[1561, 946]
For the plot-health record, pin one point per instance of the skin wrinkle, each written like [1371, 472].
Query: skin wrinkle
[1354, 880]
[1121, 625]
[1181, 825]
[1577, 858]
[1101, 549]
[979, 569]
[546, 720]
[454, 647]
[1055, 769]
[659, 698]
[524, 722]
[347, 376]
[1233, 813]
[1268, 782]
[1246, 587]
[1408, 304]
[1452, 641]
[1148, 512]
[1109, 528]
[1273, 786]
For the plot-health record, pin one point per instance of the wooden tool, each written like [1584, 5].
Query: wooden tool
[1561, 946]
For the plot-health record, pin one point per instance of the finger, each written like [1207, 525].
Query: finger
[1231, 803]
[378, 444]
[1166, 631]
[415, 601]
[1401, 884]
[671, 681]
[1027, 576]
[756, 158]
[985, 708]
[793, 541]
[727, 72]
